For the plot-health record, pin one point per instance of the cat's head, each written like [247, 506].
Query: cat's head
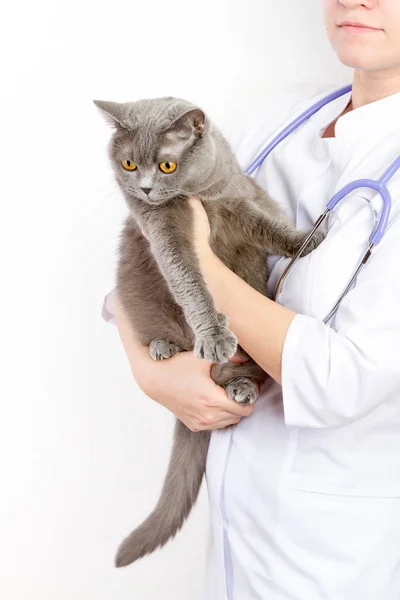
[161, 148]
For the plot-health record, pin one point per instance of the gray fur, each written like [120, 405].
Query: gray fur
[159, 282]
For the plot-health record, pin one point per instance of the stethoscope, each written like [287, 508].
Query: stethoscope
[380, 186]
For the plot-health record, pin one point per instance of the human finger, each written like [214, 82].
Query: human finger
[238, 358]
[225, 421]
[231, 406]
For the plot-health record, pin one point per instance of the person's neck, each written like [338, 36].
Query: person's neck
[369, 86]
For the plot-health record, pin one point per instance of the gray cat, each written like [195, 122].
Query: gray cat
[162, 150]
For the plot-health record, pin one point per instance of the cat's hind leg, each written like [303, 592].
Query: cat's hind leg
[242, 390]
[239, 379]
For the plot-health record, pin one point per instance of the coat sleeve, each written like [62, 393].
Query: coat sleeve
[332, 376]
[107, 308]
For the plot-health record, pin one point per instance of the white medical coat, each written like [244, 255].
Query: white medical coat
[305, 493]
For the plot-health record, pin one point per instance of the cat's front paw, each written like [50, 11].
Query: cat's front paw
[217, 345]
[315, 241]
[160, 349]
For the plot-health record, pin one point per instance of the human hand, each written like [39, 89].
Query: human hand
[201, 225]
[183, 384]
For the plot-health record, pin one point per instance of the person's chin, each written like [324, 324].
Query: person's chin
[356, 59]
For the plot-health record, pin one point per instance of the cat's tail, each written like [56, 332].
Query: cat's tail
[179, 493]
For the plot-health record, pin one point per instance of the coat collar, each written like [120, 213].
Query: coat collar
[365, 144]
[366, 125]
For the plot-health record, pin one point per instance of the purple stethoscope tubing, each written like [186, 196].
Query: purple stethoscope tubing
[380, 186]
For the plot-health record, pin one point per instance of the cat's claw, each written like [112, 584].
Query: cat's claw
[217, 346]
[160, 349]
[242, 390]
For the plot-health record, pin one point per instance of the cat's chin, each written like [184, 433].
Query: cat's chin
[163, 200]
[157, 201]
[149, 201]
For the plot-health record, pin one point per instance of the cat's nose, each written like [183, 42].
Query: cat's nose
[146, 190]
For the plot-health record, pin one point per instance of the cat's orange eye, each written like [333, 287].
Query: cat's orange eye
[128, 165]
[168, 167]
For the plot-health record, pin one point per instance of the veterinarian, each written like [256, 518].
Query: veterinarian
[305, 491]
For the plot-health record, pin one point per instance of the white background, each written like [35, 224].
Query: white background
[83, 452]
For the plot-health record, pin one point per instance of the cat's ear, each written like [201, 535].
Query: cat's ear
[191, 121]
[113, 112]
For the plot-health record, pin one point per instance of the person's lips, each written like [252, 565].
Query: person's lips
[355, 26]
